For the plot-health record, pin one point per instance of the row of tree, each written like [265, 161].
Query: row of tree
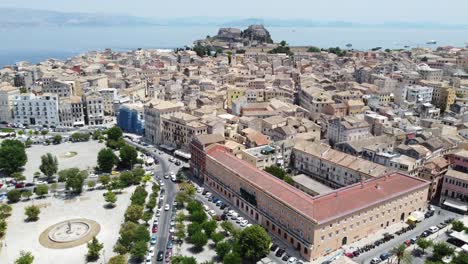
[107, 160]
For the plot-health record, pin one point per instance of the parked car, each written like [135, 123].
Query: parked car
[385, 256]
[167, 207]
[433, 229]
[274, 247]
[375, 261]
[151, 251]
[244, 223]
[280, 252]
[223, 206]
[239, 219]
[292, 260]
[154, 239]
[212, 212]
[349, 254]
[178, 162]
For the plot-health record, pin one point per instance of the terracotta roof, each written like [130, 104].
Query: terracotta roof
[325, 207]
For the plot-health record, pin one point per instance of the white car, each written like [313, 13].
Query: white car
[208, 195]
[171, 174]
[148, 259]
[206, 207]
[172, 223]
[199, 190]
[166, 176]
[171, 159]
[171, 230]
[161, 183]
[40, 182]
[212, 212]
[244, 223]
[292, 260]
[230, 212]
[151, 251]
[433, 229]
[234, 216]
[239, 219]
[166, 207]
[158, 212]
[173, 178]
[155, 222]
[248, 225]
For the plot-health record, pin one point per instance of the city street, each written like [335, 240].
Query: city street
[366, 257]
[164, 167]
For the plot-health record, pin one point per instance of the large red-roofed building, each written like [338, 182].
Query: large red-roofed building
[318, 225]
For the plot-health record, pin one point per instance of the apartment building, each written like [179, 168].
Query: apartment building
[71, 112]
[7, 96]
[94, 109]
[454, 192]
[109, 95]
[61, 88]
[347, 128]
[40, 110]
[315, 226]
[419, 94]
[263, 156]
[179, 129]
[433, 171]
[332, 167]
[429, 74]
[130, 118]
[314, 100]
[154, 111]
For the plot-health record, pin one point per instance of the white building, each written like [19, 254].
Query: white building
[347, 129]
[31, 109]
[153, 113]
[7, 95]
[94, 109]
[419, 94]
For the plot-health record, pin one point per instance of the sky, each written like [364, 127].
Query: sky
[365, 11]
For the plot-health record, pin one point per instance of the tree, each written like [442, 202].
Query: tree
[74, 179]
[139, 196]
[94, 247]
[42, 190]
[313, 49]
[138, 174]
[5, 211]
[3, 227]
[104, 179]
[228, 227]
[49, 165]
[199, 240]
[97, 134]
[209, 227]
[28, 143]
[181, 198]
[458, 225]
[119, 259]
[401, 254]
[180, 231]
[106, 160]
[441, 250]
[193, 228]
[461, 258]
[134, 213]
[91, 184]
[254, 242]
[193, 206]
[146, 216]
[12, 156]
[114, 133]
[14, 196]
[198, 217]
[423, 243]
[217, 237]
[222, 249]
[128, 156]
[18, 176]
[110, 198]
[44, 132]
[180, 217]
[289, 180]
[25, 258]
[145, 179]
[53, 187]
[32, 212]
[232, 258]
[57, 139]
[26, 194]
[276, 171]
[183, 260]
[138, 250]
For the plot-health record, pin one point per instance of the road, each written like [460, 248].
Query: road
[366, 257]
[164, 167]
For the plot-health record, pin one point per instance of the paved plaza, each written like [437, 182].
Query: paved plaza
[25, 236]
[85, 158]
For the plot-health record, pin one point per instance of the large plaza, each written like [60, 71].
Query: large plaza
[22, 235]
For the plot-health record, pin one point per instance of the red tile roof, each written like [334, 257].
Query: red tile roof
[324, 207]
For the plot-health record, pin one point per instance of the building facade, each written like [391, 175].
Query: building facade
[314, 226]
[130, 119]
[40, 110]
[153, 114]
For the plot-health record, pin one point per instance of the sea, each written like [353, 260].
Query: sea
[35, 44]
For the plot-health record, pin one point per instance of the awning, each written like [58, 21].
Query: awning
[456, 205]
[465, 247]
[182, 154]
[462, 236]
[412, 218]
[166, 147]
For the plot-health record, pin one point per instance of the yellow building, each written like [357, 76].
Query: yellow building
[233, 94]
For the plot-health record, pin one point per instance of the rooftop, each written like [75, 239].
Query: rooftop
[322, 208]
[457, 175]
[311, 184]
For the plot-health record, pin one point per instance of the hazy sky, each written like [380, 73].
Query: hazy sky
[440, 11]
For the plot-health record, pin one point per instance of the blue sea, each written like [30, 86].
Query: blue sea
[35, 44]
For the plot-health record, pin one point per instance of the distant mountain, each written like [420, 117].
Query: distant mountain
[23, 17]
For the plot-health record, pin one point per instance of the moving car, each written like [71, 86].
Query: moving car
[166, 207]
[160, 256]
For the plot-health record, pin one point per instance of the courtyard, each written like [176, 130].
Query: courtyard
[23, 235]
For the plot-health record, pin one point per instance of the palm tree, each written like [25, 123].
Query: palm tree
[401, 254]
